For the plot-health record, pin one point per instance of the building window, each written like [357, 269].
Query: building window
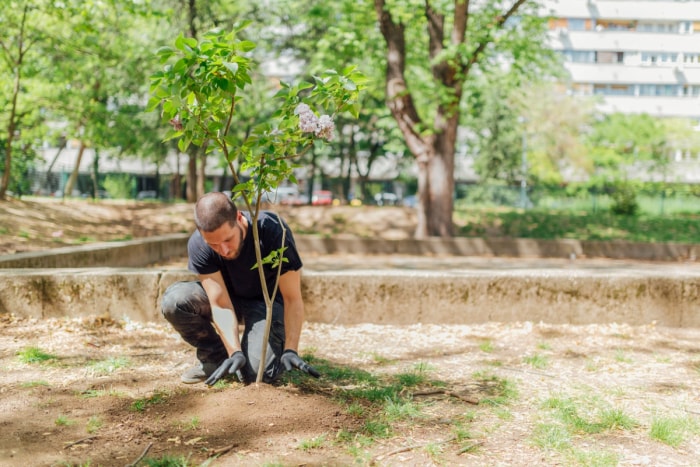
[610, 57]
[613, 90]
[579, 56]
[660, 27]
[691, 90]
[649, 58]
[691, 59]
[663, 90]
[577, 24]
[616, 25]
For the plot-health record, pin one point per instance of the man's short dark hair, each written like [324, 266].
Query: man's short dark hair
[214, 210]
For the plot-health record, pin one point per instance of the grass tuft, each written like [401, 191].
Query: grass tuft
[673, 430]
[34, 355]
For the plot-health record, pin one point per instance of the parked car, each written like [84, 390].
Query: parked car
[287, 195]
[322, 198]
[410, 201]
[386, 199]
[147, 194]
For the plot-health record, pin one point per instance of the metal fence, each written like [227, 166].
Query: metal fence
[680, 199]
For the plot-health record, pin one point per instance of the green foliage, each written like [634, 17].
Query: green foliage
[498, 142]
[120, 186]
[197, 93]
[576, 224]
[624, 198]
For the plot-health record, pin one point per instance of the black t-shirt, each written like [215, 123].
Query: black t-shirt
[239, 276]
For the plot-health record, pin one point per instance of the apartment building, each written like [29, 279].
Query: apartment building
[638, 56]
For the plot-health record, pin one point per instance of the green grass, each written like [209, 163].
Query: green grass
[597, 416]
[673, 430]
[536, 361]
[313, 443]
[108, 365]
[34, 355]
[380, 403]
[551, 436]
[498, 391]
[191, 424]
[167, 461]
[94, 424]
[486, 346]
[33, 384]
[551, 224]
[158, 397]
[62, 420]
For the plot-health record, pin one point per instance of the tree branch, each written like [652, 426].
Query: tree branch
[500, 20]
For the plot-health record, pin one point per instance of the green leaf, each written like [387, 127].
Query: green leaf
[246, 46]
[232, 67]
[182, 145]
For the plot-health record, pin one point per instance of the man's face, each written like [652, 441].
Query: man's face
[227, 240]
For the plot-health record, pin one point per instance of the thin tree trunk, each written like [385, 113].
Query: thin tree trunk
[70, 184]
[12, 123]
[191, 176]
[201, 175]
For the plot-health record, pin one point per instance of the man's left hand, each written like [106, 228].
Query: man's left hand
[290, 359]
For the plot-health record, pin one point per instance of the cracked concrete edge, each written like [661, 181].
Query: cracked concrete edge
[557, 297]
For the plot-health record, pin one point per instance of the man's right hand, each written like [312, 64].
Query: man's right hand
[229, 366]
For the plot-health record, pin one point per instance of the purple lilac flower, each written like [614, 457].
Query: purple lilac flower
[325, 127]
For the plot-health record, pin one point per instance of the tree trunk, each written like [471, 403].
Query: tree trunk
[191, 176]
[201, 175]
[434, 151]
[70, 184]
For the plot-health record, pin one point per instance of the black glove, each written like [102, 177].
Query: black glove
[290, 359]
[229, 366]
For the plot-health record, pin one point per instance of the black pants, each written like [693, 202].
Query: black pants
[186, 307]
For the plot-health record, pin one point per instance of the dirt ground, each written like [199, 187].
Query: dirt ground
[81, 407]
[41, 223]
[110, 395]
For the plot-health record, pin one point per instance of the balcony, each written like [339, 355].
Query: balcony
[623, 41]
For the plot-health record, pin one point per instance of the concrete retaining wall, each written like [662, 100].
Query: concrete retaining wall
[152, 250]
[386, 297]
[133, 253]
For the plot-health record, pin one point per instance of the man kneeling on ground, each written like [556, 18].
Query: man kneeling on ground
[206, 312]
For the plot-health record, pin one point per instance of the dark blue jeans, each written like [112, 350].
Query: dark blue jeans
[186, 307]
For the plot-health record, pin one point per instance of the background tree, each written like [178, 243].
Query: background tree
[21, 45]
[617, 142]
[458, 39]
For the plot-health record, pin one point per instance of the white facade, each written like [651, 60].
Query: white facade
[637, 56]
